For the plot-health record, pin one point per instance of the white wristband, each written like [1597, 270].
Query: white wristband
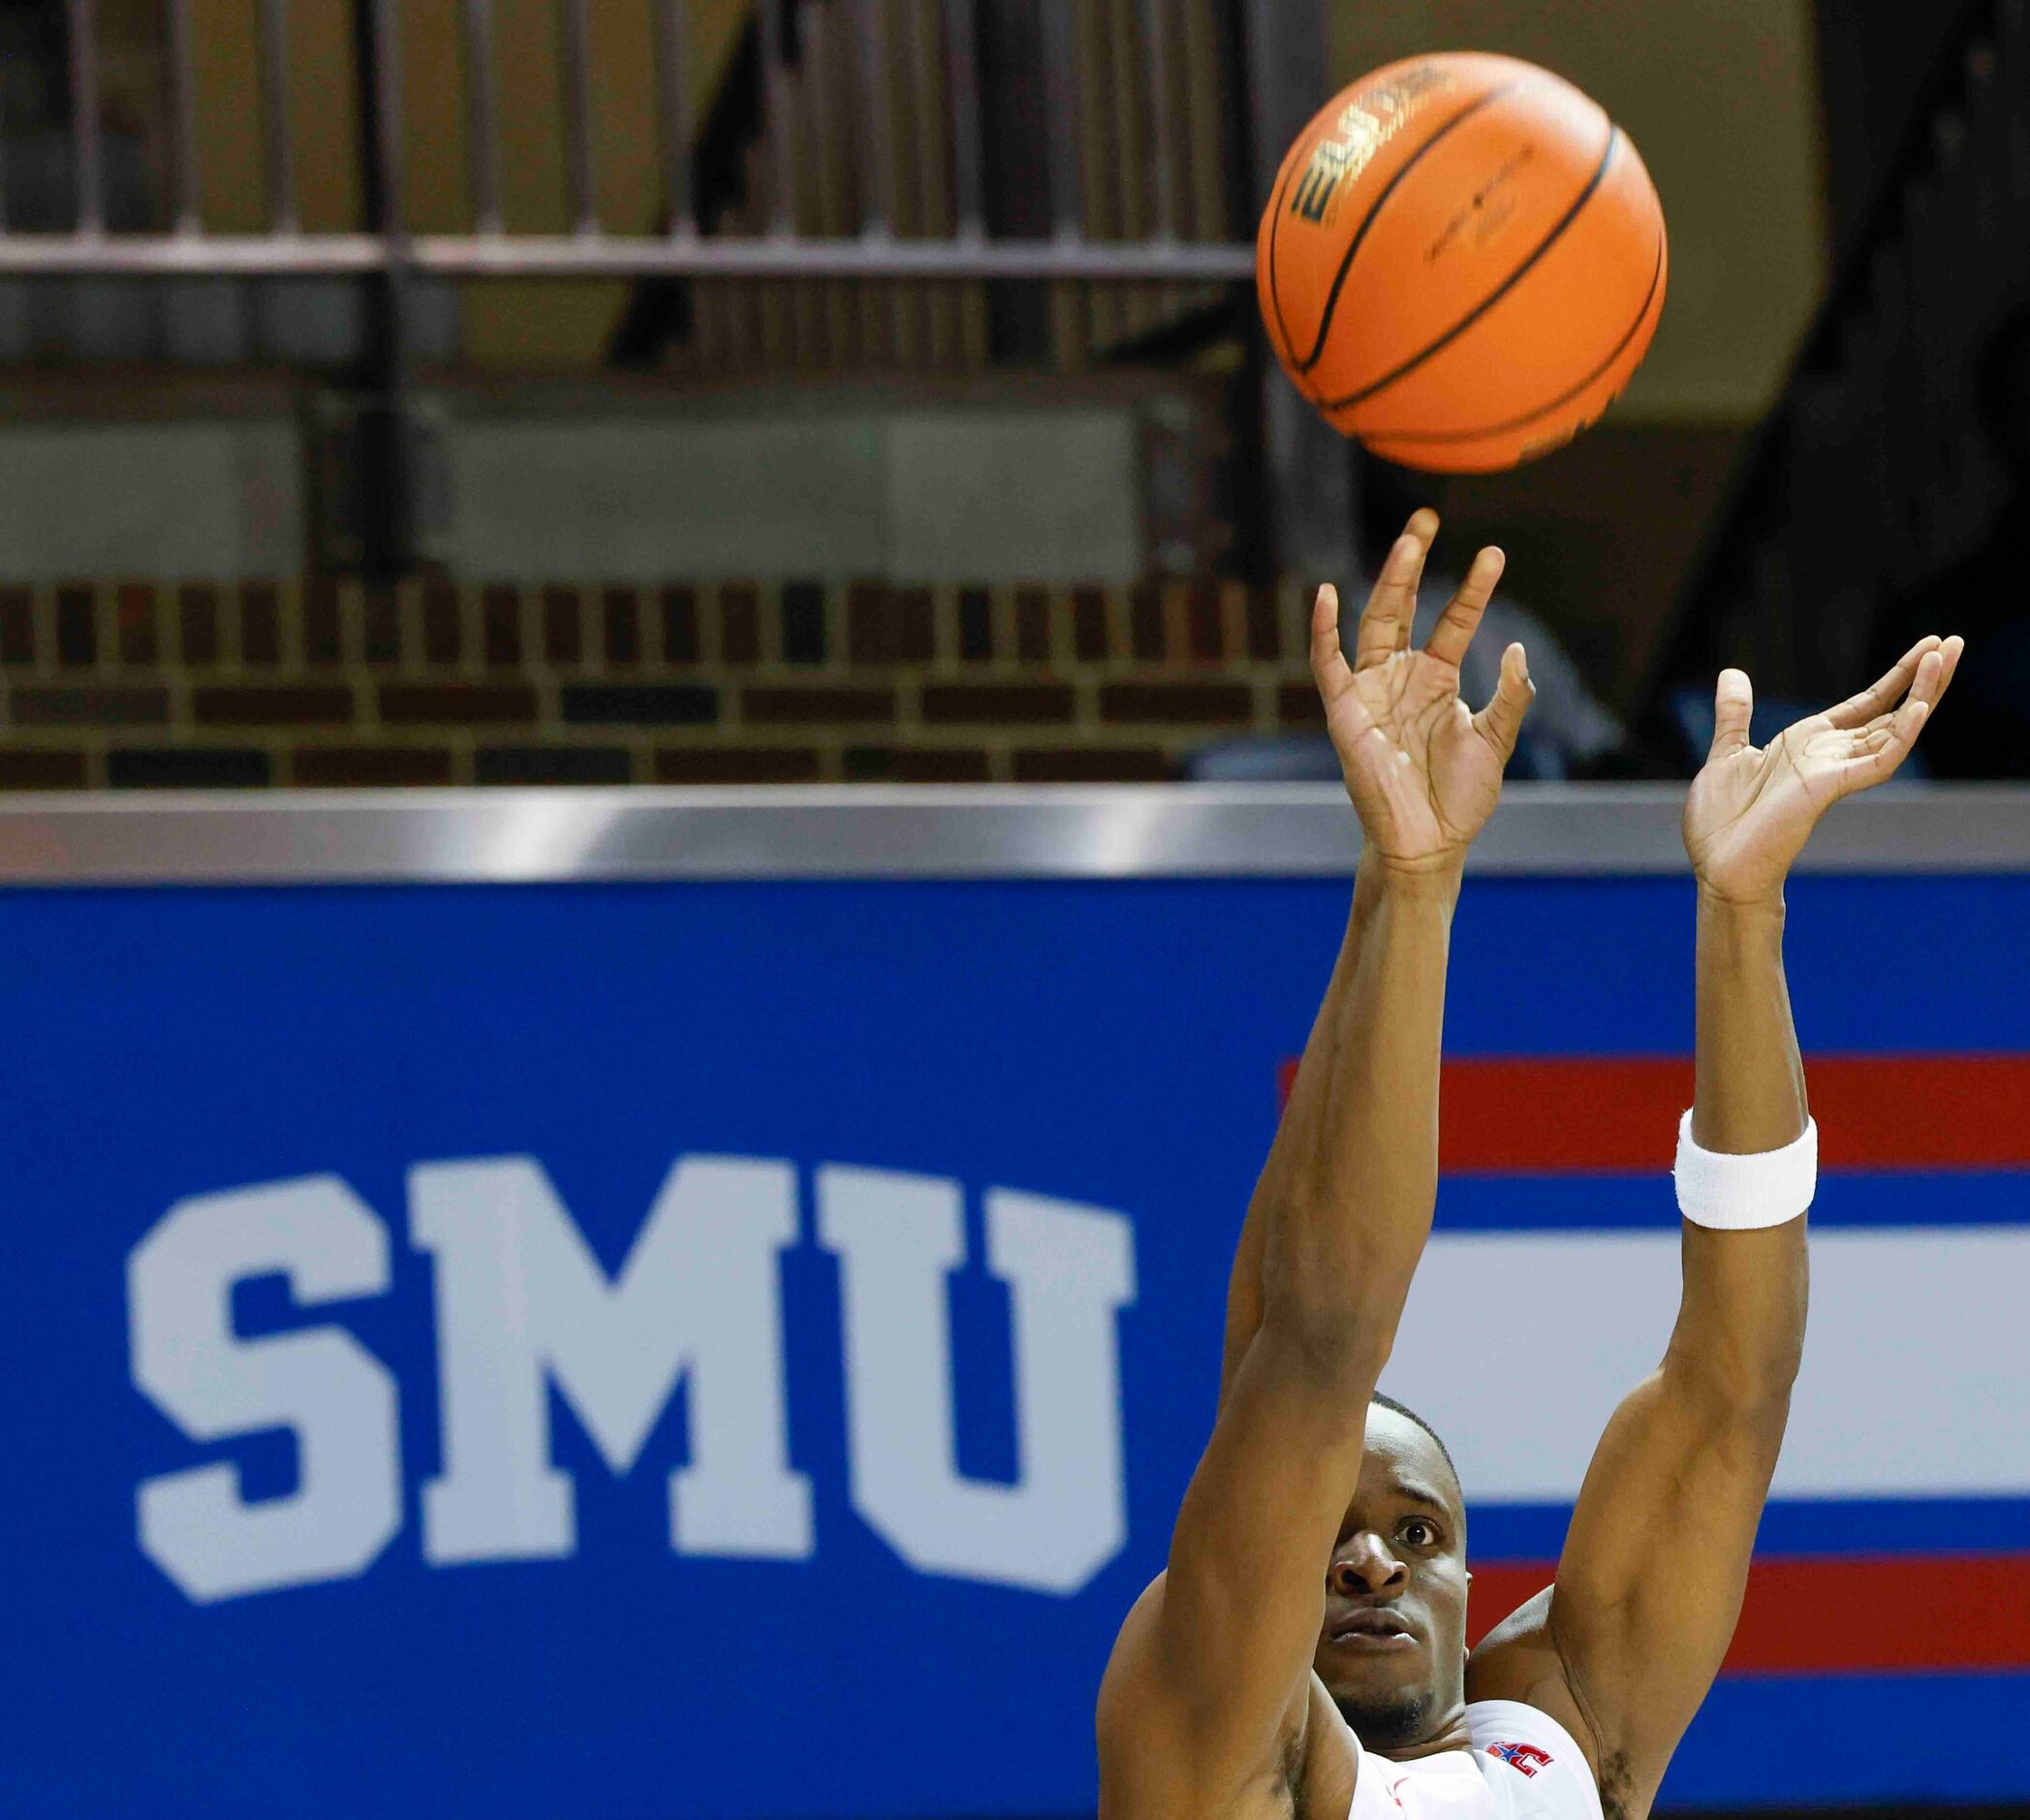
[1741, 1193]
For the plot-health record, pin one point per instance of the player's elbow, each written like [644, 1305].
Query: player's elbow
[1736, 1381]
[1339, 1347]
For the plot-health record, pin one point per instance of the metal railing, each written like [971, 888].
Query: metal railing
[687, 248]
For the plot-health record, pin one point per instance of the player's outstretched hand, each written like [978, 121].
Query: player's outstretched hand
[1752, 810]
[1423, 772]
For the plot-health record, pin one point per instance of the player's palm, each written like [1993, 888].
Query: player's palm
[1752, 809]
[1423, 772]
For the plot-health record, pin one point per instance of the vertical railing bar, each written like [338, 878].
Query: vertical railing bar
[183, 122]
[674, 73]
[877, 138]
[775, 115]
[1155, 24]
[482, 129]
[389, 147]
[576, 74]
[274, 118]
[1061, 122]
[962, 62]
[82, 17]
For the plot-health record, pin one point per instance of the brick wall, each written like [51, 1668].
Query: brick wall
[135, 685]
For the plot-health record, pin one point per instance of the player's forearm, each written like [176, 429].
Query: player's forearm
[1740, 1334]
[1339, 1220]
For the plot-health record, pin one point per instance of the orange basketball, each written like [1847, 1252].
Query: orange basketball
[1462, 262]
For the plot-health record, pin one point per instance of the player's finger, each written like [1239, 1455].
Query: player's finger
[1856, 710]
[1733, 708]
[1384, 624]
[1501, 721]
[1870, 768]
[1327, 661]
[1461, 618]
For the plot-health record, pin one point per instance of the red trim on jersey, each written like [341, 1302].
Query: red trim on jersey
[1814, 1615]
[1568, 1116]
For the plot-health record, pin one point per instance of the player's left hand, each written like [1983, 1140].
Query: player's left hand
[1752, 810]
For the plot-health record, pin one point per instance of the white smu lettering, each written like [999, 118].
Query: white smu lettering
[522, 1305]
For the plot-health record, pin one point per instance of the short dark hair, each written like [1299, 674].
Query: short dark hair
[1408, 1414]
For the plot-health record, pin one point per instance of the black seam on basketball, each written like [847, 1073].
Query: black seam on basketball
[1543, 410]
[1288, 351]
[1346, 264]
[1494, 296]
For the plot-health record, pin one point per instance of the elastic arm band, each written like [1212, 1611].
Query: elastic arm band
[1743, 1193]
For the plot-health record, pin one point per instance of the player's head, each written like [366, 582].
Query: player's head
[1393, 1651]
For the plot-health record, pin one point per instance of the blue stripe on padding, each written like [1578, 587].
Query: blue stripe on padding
[1873, 1739]
[1889, 1525]
[1592, 1203]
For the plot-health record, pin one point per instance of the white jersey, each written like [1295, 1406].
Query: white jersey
[1523, 1765]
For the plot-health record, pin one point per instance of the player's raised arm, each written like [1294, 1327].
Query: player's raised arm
[1650, 1584]
[1206, 1699]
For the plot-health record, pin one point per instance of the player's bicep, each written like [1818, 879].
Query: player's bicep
[1650, 1582]
[1218, 1663]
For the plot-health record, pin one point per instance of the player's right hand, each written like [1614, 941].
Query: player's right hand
[1423, 772]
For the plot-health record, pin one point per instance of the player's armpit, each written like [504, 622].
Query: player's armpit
[1205, 1706]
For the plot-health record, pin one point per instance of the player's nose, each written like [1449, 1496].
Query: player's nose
[1363, 1568]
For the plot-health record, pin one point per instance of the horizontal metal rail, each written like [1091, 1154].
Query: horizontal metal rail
[616, 256]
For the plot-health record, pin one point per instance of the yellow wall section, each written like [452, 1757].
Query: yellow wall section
[1721, 98]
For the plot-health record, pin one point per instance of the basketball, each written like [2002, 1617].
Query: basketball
[1462, 262]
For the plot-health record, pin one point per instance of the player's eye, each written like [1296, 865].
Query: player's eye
[1419, 1533]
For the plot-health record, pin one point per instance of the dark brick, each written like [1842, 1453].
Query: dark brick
[455, 704]
[260, 625]
[1091, 765]
[739, 624]
[889, 625]
[77, 630]
[16, 625]
[442, 638]
[500, 614]
[553, 765]
[198, 610]
[1145, 630]
[680, 625]
[1088, 624]
[185, 768]
[803, 622]
[1003, 704]
[304, 707]
[323, 632]
[1175, 703]
[381, 621]
[1264, 625]
[1203, 627]
[781, 706]
[88, 706]
[27, 769]
[641, 704]
[562, 643]
[370, 766]
[620, 610]
[919, 765]
[1297, 706]
[1032, 611]
[736, 764]
[976, 625]
[134, 617]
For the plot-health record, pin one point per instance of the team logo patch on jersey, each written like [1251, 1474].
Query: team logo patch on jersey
[1524, 1757]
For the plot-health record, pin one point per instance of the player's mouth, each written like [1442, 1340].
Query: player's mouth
[1370, 1631]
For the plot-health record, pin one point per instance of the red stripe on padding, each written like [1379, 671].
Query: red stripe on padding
[1813, 1614]
[1568, 1116]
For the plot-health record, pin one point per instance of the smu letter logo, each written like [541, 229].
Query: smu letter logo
[523, 1308]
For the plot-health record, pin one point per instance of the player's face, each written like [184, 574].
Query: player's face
[1393, 1652]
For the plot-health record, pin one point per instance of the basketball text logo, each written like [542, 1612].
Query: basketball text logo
[1363, 128]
